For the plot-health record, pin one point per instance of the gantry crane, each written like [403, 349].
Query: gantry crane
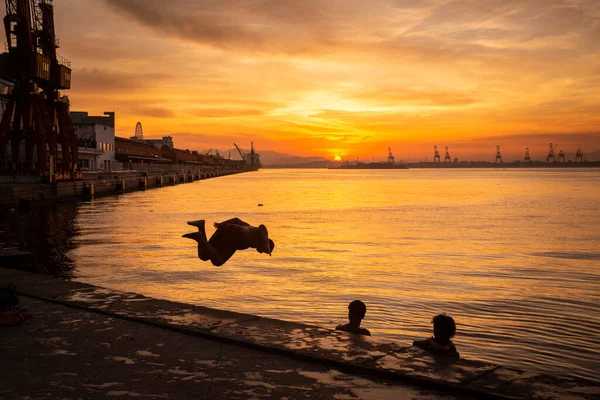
[579, 157]
[35, 115]
[436, 155]
[447, 159]
[391, 158]
[527, 156]
[550, 156]
[498, 155]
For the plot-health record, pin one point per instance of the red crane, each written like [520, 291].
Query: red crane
[36, 120]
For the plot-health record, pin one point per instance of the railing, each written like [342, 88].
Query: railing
[63, 61]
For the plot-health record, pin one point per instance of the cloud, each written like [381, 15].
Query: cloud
[154, 112]
[336, 73]
[207, 112]
[103, 81]
[258, 25]
[402, 96]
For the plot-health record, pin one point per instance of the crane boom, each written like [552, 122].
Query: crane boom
[242, 154]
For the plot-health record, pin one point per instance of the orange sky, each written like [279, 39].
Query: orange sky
[347, 77]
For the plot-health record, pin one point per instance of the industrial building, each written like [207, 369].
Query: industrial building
[96, 140]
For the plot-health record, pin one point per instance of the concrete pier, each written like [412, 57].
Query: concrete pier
[19, 195]
[88, 342]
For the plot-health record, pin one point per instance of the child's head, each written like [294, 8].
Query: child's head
[356, 311]
[444, 328]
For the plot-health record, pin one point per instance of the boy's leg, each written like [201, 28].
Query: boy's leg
[205, 250]
[200, 224]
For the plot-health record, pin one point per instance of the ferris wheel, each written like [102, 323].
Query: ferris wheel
[139, 132]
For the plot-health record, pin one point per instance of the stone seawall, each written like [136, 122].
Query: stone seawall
[390, 360]
[23, 195]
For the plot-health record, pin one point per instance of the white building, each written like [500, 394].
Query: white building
[96, 135]
[159, 143]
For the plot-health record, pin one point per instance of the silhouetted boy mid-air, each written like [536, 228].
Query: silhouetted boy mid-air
[444, 329]
[356, 312]
[230, 236]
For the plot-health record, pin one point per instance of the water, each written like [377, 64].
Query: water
[512, 255]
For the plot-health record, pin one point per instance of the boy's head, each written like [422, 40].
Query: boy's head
[356, 311]
[264, 249]
[444, 328]
[271, 245]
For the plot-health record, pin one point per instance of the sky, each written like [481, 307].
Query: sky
[342, 77]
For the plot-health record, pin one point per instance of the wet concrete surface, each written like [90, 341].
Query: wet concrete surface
[88, 342]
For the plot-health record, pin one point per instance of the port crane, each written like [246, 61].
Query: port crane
[579, 156]
[447, 159]
[550, 156]
[436, 157]
[391, 158]
[36, 117]
[527, 157]
[498, 155]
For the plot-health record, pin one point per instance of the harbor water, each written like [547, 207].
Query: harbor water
[513, 255]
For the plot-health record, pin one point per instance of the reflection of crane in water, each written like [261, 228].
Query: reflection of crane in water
[447, 159]
[436, 156]
[391, 158]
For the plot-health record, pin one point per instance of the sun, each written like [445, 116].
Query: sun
[337, 158]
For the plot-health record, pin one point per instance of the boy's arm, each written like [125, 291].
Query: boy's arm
[232, 221]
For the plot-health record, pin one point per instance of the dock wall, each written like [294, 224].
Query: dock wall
[391, 360]
[24, 195]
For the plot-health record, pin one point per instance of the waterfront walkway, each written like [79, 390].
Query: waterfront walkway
[87, 342]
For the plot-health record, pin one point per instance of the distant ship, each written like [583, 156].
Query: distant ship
[390, 164]
[252, 158]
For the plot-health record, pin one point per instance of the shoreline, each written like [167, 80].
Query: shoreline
[24, 195]
[365, 355]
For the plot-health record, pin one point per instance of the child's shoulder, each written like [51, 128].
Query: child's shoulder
[433, 346]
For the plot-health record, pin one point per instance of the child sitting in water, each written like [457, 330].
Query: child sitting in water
[356, 312]
[444, 329]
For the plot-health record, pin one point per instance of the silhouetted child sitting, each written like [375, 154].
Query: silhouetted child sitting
[444, 330]
[356, 312]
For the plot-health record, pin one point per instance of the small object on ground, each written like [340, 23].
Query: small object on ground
[8, 298]
[260, 204]
[12, 318]
[10, 314]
